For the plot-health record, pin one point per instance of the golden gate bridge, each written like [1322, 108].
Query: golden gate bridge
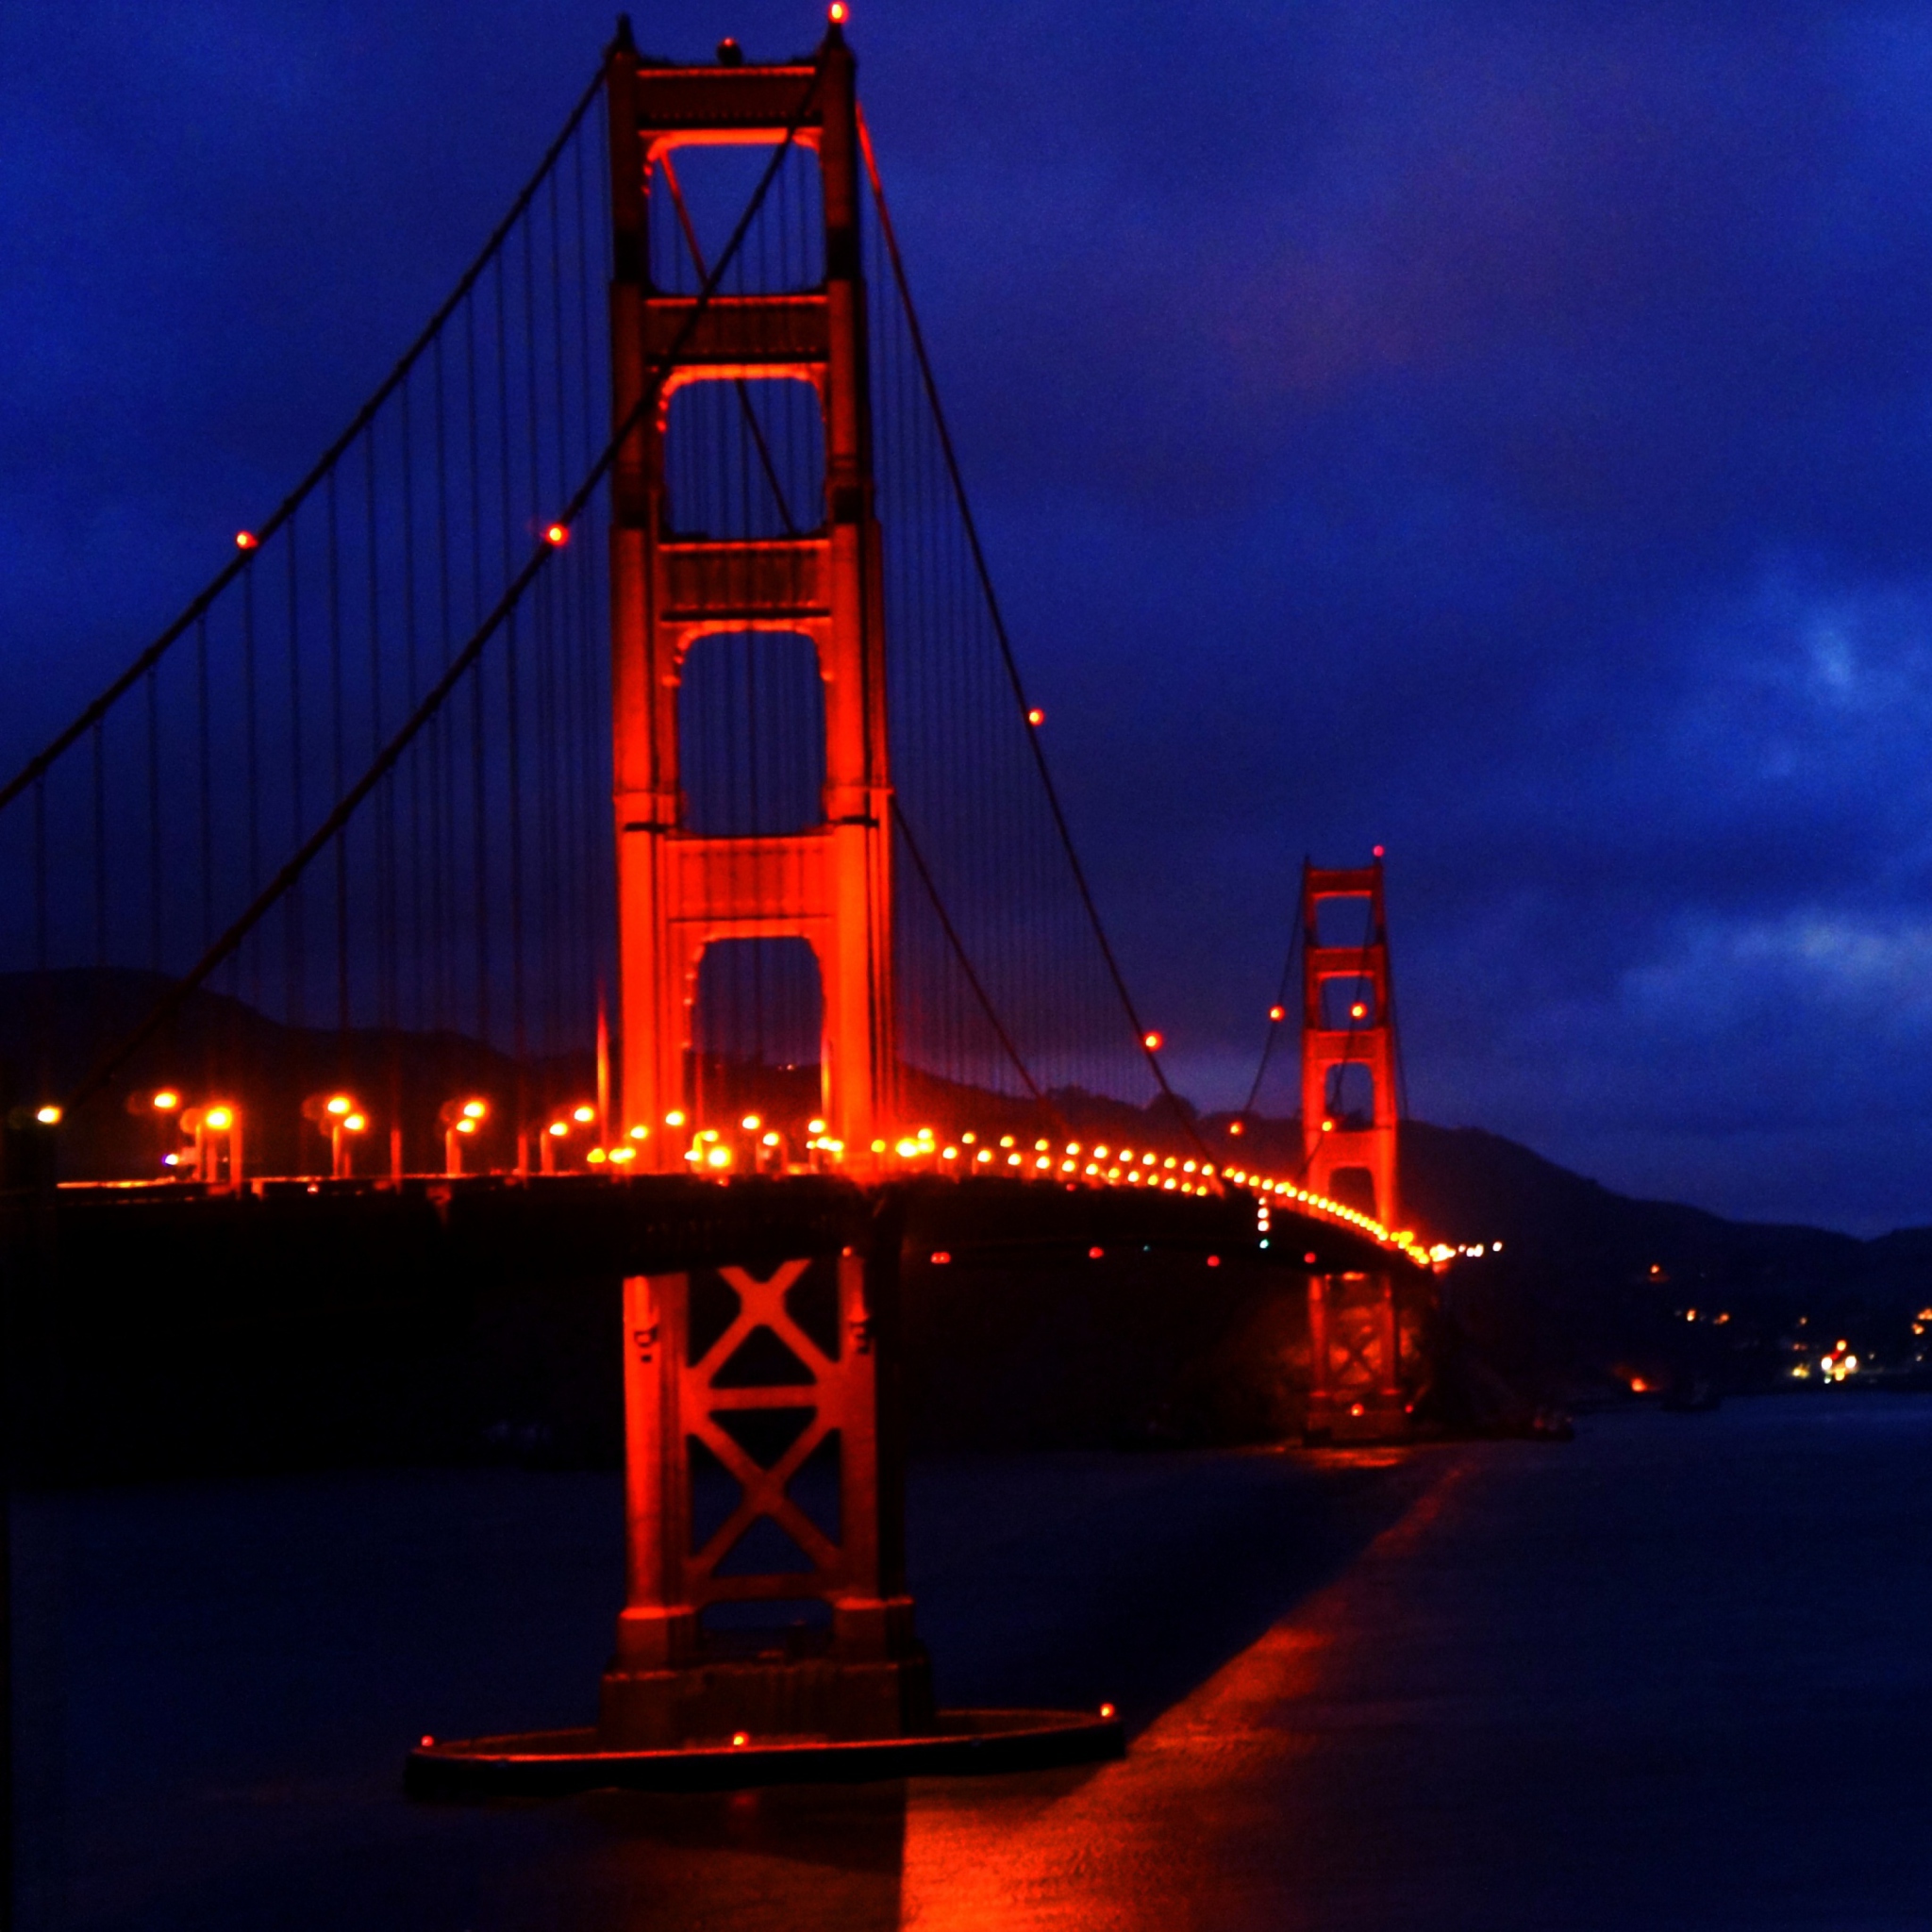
[603, 799]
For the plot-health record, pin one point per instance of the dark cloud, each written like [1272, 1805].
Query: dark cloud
[1497, 430]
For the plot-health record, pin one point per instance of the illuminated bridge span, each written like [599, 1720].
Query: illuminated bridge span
[659, 508]
[324, 935]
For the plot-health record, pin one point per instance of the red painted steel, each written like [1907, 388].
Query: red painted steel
[830, 885]
[1353, 1343]
[672, 1681]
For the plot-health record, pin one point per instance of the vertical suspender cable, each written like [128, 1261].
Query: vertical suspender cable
[985, 578]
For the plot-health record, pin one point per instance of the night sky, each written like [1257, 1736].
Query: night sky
[1495, 431]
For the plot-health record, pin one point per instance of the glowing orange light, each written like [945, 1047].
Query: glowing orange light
[167, 1099]
[1327, 1126]
[474, 1109]
[246, 540]
[640, 1133]
[1358, 1012]
[739, 1738]
[1106, 1711]
[1036, 716]
[1638, 1386]
[355, 1122]
[1237, 1127]
[621, 1154]
[466, 1126]
[428, 1740]
[940, 1257]
[558, 1128]
[583, 1115]
[1355, 1408]
[339, 1104]
[674, 1117]
[814, 1127]
[836, 12]
[557, 536]
[1278, 1013]
[597, 1157]
[767, 1141]
[1152, 1042]
[219, 1118]
[48, 1116]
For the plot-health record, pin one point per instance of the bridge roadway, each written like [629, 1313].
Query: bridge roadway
[168, 1328]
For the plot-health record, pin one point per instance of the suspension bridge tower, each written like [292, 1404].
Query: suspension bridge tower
[680, 892]
[1349, 1128]
[1348, 1043]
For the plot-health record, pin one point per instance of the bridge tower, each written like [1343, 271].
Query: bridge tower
[1349, 1148]
[1348, 1046]
[679, 892]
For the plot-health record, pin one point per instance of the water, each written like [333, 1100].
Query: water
[1673, 1674]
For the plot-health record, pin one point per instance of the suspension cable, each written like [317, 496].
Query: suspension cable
[1275, 1027]
[953, 939]
[37, 765]
[107, 1064]
[981, 570]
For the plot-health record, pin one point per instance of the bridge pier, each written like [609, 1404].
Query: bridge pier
[1354, 1359]
[764, 1467]
[761, 1378]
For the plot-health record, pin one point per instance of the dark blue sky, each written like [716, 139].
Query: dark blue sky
[1498, 431]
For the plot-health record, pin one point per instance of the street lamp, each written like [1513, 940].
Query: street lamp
[461, 1120]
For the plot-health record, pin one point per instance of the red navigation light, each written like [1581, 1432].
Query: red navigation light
[1278, 1014]
[557, 536]
[836, 12]
[1096, 1254]
[246, 540]
[1106, 1711]
[1378, 852]
[1214, 1260]
[1036, 716]
[1152, 1042]
[1309, 1258]
[940, 1257]
[1236, 1127]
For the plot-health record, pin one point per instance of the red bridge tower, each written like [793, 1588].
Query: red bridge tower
[830, 884]
[1349, 1144]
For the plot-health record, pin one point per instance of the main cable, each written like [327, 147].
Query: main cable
[293, 502]
[106, 1065]
[981, 568]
